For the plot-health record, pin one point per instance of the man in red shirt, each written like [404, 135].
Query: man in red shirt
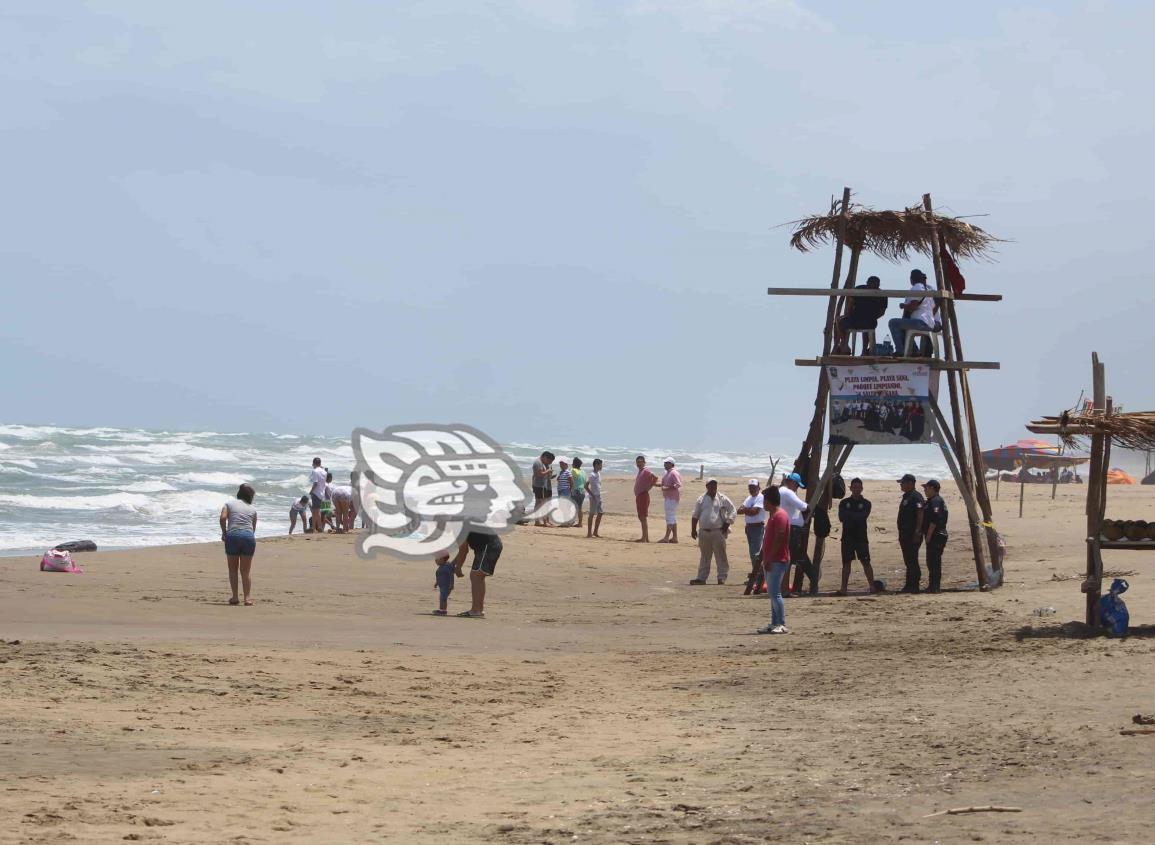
[775, 557]
[643, 483]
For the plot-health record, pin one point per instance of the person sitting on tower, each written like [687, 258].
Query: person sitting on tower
[918, 312]
[862, 314]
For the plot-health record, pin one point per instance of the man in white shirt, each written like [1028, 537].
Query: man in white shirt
[597, 506]
[918, 312]
[753, 508]
[798, 510]
[317, 485]
[710, 526]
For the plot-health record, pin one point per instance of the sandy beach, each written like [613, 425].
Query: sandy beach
[602, 700]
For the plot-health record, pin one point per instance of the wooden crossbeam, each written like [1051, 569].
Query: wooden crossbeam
[890, 293]
[933, 363]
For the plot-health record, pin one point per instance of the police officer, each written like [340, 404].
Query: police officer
[853, 511]
[910, 512]
[935, 533]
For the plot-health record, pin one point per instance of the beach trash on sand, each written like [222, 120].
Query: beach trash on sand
[58, 560]
[1113, 612]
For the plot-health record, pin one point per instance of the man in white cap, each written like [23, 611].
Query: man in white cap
[797, 509]
[710, 526]
[753, 508]
[671, 495]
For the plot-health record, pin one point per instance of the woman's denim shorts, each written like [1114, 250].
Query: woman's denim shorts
[240, 541]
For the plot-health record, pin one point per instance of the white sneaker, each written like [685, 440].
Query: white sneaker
[779, 629]
[769, 629]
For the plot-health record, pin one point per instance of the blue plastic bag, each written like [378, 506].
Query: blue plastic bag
[1113, 613]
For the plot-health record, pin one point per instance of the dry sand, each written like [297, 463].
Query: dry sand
[602, 700]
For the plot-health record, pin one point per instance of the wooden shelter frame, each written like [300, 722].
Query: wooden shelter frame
[1098, 423]
[957, 436]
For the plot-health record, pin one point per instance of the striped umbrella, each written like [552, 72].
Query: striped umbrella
[1010, 456]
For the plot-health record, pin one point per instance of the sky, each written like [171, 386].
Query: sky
[553, 220]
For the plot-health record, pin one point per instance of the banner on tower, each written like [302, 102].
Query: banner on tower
[880, 404]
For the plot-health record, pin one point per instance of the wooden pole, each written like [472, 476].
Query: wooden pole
[1022, 487]
[1093, 584]
[981, 493]
[811, 454]
[938, 422]
[953, 351]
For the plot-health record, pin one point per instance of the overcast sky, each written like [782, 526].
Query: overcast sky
[553, 220]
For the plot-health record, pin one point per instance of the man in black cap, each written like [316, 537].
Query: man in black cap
[910, 512]
[935, 533]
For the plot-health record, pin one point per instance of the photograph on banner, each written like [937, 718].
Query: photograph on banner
[880, 404]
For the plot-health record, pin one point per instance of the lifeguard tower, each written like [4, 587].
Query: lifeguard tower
[878, 395]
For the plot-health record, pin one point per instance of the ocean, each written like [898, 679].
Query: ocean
[128, 488]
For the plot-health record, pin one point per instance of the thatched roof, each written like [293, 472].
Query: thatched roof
[1132, 430]
[892, 235]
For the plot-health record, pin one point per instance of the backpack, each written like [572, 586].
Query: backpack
[821, 523]
[838, 487]
[57, 560]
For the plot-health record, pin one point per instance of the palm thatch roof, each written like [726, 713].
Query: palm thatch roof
[892, 235]
[1131, 430]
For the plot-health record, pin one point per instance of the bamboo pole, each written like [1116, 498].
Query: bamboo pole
[980, 471]
[942, 436]
[1093, 586]
[811, 454]
[834, 465]
[953, 350]
[938, 421]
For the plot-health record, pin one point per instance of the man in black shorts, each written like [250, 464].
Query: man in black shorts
[853, 511]
[486, 551]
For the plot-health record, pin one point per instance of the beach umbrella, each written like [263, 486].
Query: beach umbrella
[1117, 476]
[1011, 455]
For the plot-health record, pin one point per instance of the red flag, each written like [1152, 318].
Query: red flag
[954, 277]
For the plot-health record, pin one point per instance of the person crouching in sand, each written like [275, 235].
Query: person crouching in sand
[300, 508]
[239, 533]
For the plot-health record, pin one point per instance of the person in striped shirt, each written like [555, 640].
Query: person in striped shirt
[565, 486]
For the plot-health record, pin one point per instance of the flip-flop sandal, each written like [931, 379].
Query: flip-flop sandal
[469, 614]
[234, 601]
[248, 602]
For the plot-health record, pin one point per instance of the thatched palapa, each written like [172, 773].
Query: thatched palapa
[1133, 430]
[892, 235]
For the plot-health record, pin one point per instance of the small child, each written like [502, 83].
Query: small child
[300, 508]
[444, 583]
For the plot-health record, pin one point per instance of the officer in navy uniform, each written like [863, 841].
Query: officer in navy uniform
[910, 513]
[935, 533]
[853, 512]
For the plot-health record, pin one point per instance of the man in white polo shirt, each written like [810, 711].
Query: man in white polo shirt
[917, 312]
[710, 526]
[754, 510]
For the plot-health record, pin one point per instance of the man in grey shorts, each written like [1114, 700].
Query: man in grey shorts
[594, 489]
